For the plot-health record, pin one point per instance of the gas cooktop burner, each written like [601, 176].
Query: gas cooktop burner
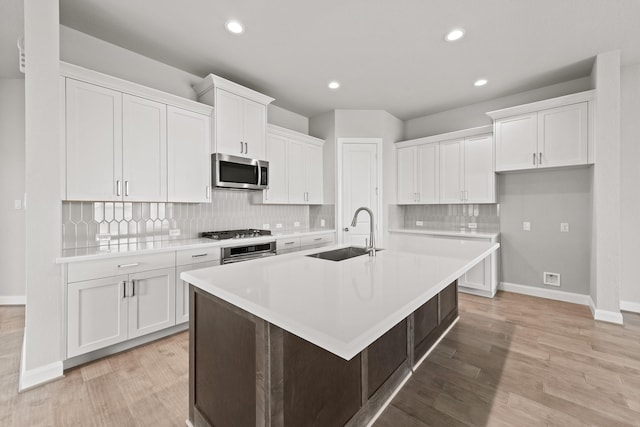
[235, 234]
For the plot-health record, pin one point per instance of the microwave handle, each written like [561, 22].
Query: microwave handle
[259, 173]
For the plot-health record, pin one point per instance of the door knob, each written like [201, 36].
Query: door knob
[346, 229]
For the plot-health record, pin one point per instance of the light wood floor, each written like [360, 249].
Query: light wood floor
[511, 361]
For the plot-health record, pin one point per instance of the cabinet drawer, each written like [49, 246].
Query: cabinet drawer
[289, 243]
[318, 239]
[120, 265]
[192, 256]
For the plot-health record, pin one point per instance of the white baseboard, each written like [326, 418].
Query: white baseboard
[38, 376]
[605, 315]
[13, 300]
[545, 293]
[633, 307]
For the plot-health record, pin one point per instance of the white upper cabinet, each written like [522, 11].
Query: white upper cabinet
[406, 161]
[563, 135]
[189, 164]
[126, 142]
[295, 168]
[517, 142]
[144, 149]
[550, 133]
[278, 191]
[452, 172]
[479, 175]
[456, 167]
[93, 142]
[240, 117]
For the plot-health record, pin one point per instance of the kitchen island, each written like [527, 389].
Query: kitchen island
[295, 340]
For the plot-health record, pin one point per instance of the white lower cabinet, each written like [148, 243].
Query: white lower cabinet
[182, 289]
[103, 312]
[152, 301]
[97, 314]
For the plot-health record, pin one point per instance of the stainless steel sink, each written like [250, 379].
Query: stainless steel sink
[341, 254]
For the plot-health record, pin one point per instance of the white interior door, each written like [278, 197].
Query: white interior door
[359, 188]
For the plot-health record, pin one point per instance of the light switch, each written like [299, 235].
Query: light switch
[564, 227]
[278, 225]
[419, 223]
[322, 223]
[526, 226]
[17, 204]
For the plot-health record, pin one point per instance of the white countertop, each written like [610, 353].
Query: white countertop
[341, 306]
[454, 233]
[168, 245]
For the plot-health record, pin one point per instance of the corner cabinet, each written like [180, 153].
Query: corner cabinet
[239, 117]
[126, 142]
[443, 169]
[550, 133]
[295, 168]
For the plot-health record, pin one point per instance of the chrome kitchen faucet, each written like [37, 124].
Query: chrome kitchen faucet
[371, 246]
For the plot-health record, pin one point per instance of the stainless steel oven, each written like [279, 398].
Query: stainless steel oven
[248, 252]
[239, 172]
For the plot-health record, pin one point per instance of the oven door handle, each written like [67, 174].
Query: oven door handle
[247, 258]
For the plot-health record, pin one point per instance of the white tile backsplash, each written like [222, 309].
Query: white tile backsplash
[229, 209]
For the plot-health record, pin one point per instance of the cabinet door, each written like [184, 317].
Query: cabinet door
[93, 142]
[428, 174]
[516, 142]
[562, 136]
[406, 168]
[182, 289]
[144, 149]
[451, 171]
[254, 128]
[228, 112]
[189, 161]
[313, 164]
[96, 314]
[278, 191]
[480, 178]
[478, 277]
[297, 173]
[152, 301]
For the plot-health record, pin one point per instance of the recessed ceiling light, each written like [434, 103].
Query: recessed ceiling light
[480, 82]
[235, 27]
[454, 35]
[334, 85]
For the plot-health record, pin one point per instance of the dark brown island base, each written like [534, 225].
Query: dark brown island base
[244, 371]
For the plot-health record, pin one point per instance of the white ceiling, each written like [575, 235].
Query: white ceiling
[386, 54]
[11, 28]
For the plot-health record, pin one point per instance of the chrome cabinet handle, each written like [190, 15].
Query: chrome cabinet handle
[289, 243]
[208, 192]
[133, 287]
[246, 148]
[133, 264]
[534, 158]
[241, 147]
[118, 188]
[126, 188]
[199, 255]
[124, 289]
[319, 238]
[540, 158]
[466, 195]
[461, 195]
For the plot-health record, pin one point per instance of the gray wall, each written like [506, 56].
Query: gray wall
[474, 115]
[12, 186]
[546, 198]
[630, 177]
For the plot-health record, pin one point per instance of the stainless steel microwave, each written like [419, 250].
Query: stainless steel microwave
[239, 172]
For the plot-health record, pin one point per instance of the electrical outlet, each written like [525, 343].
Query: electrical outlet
[564, 227]
[419, 223]
[472, 225]
[174, 232]
[322, 223]
[551, 279]
[296, 224]
[278, 225]
[526, 226]
[266, 226]
[103, 237]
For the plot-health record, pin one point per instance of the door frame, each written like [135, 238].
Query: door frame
[380, 214]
